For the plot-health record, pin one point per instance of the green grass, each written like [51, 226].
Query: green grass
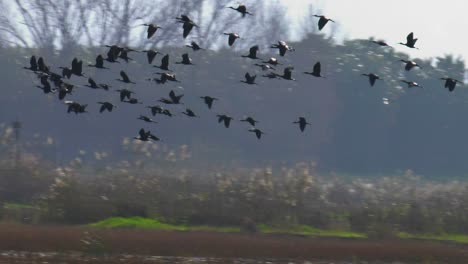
[17, 206]
[443, 237]
[147, 223]
[310, 231]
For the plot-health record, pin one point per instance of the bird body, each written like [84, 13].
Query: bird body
[282, 47]
[249, 79]
[209, 100]
[225, 119]
[194, 46]
[410, 64]
[411, 84]
[252, 53]
[241, 9]
[249, 120]
[323, 21]
[317, 70]
[410, 41]
[372, 78]
[450, 83]
[258, 132]
[106, 106]
[152, 28]
[302, 123]
[232, 38]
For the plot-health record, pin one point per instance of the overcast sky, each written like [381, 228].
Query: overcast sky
[433, 22]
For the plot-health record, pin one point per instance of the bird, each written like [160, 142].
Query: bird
[411, 84]
[189, 113]
[232, 38]
[132, 101]
[124, 93]
[106, 106]
[124, 55]
[258, 132]
[175, 98]
[46, 87]
[146, 119]
[194, 46]
[282, 46]
[146, 136]
[156, 109]
[151, 54]
[124, 77]
[113, 53]
[287, 74]
[410, 64]
[323, 21]
[372, 78]
[42, 67]
[302, 123]
[164, 63]
[99, 63]
[66, 72]
[241, 9]
[249, 120]
[94, 85]
[272, 61]
[186, 60]
[316, 71]
[77, 67]
[209, 100]
[450, 83]
[76, 107]
[380, 43]
[226, 119]
[252, 53]
[32, 64]
[249, 79]
[264, 67]
[410, 41]
[152, 28]
[166, 77]
[187, 26]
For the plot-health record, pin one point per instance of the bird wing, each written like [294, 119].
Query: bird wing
[75, 65]
[288, 73]
[124, 76]
[372, 80]
[151, 30]
[231, 39]
[322, 22]
[227, 121]
[172, 95]
[142, 133]
[317, 68]
[410, 38]
[187, 26]
[99, 61]
[151, 54]
[253, 51]
[165, 62]
[33, 63]
[185, 58]
[91, 82]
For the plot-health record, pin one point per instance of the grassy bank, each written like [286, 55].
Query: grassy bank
[99, 241]
[154, 224]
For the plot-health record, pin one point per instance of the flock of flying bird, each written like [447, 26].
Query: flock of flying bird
[64, 88]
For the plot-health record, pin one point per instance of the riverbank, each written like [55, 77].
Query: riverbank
[148, 242]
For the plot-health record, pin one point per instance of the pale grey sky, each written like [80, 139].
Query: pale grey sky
[433, 22]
